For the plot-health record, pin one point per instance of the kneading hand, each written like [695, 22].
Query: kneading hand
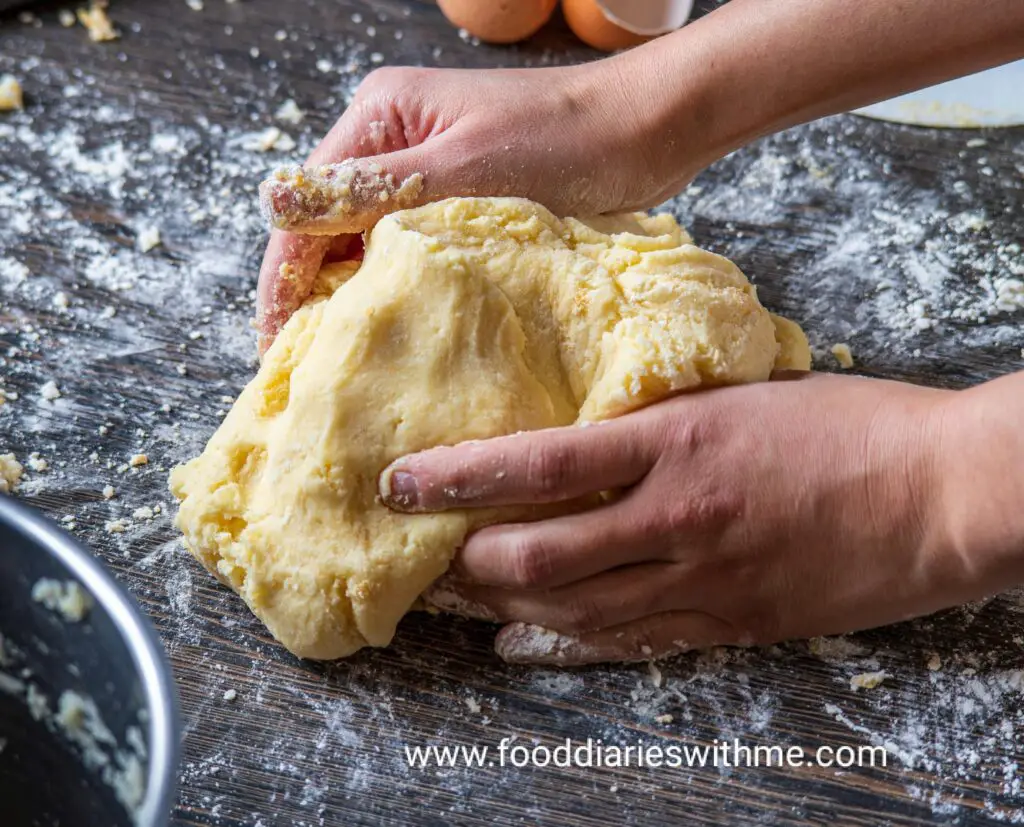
[571, 139]
[743, 515]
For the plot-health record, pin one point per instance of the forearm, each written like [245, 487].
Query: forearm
[981, 463]
[755, 67]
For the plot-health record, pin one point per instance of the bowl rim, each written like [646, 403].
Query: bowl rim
[138, 633]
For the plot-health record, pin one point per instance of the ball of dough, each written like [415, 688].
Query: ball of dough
[469, 318]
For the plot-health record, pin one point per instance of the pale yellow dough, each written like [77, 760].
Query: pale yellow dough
[469, 318]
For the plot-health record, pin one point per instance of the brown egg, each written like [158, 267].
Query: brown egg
[498, 21]
[591, 25]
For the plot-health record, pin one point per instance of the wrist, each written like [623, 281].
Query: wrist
[686, 103]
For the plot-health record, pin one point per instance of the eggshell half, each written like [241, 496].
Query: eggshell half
[610, 25]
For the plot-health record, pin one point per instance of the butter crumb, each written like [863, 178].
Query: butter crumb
[843, 354]
[289, 112]
[867, 680]
[96, 22]
[11, 97]
[10, 473]
[148, 238]
[270, 139]
[49, 391]
[68, 599]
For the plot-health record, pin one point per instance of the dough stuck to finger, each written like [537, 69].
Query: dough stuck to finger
[335, 198]
[467, 319]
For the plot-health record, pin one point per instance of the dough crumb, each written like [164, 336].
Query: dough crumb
[96, 22]
[230, 695]
[934, 662]
[118, 526]
[108, 492]
[270, 139]
[289, 112]
[148, 238]
[143, 513]
[11, 96]
[49, 391]
[68, 599]
[655, 673]
[37, 463]
[867, 680]
[843, 354]
[663, 719]
[137, 460]
[10, 473]
[67, 18]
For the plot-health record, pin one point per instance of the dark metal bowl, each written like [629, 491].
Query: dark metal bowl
[58, 765]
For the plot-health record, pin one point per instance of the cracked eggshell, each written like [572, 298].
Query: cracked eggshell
[498, 21]
[610, 25]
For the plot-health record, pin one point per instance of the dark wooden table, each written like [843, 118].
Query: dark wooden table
[889, 238]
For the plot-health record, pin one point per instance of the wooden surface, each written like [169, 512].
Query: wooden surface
[307, 743]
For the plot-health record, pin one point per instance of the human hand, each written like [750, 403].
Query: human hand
[574, 139]
[748, 515]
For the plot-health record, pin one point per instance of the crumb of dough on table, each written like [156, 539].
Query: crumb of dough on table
[867, 680]
[96, 22]
[843, 354]
[11, 96]
[10, 473]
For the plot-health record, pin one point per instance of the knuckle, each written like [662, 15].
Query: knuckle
[703, 510]
[381, 78]
[583, 614]
[528, 561]
[547, 470]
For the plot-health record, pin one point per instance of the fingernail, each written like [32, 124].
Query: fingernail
[399, 490]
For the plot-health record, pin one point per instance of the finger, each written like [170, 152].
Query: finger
[292, 261]
[345, 197]
[653, 637]
[612, 598]
[527, 468]
[289, 268]
[555, 552]
[352, 194]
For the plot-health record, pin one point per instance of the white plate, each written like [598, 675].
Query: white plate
[994, 97]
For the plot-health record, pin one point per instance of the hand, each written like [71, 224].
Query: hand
[747, 515]
[574, 139]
